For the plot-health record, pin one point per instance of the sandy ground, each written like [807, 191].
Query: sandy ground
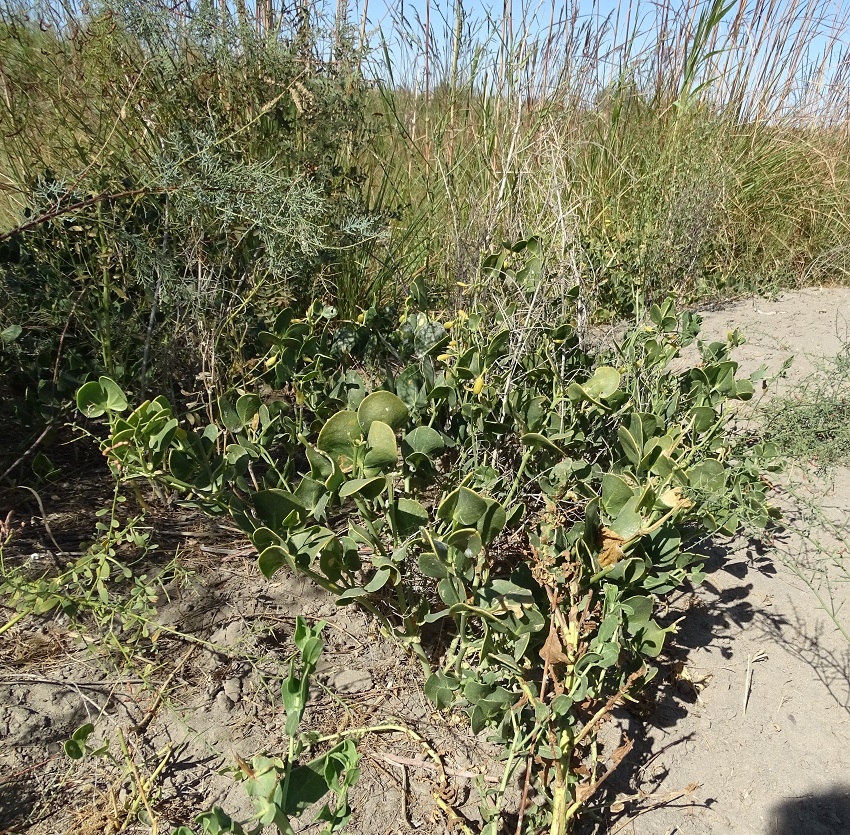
[748, 730]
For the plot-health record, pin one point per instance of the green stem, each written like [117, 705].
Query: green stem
[105, 300]
[564, 806]
[461, 654]
[376, 540]
[12, 621]
[526, 457]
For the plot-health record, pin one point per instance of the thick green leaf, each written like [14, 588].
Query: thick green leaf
[82, 733]
[409, 387]
[663, 465]
[514, 515]
[704, 418]
[535, 414]
[263, 538]
[96, 398]
[537, 441]
[627, 523]
[440, 689]
[308, 784]
[274, 507]
[378, 581]
[73, 749]
[384, 406]
[228, 414]
[350, 596]
[466, 540]
[116, 401]
[440, 391]
[424, 440]
[451, 591]
[322, 467]
[10, 334]
[383, 452]
[272, 560]
[492, 521]
[338, 436]
[432, 566]
[464, 506]
[629, 570]
[429, 337]
[247, 408]
[332, 560]
[744, 390]
[313, 495]
[91, 400]
[408, 516]
[367, 488]
[615, 493]
[604, 382]
[354, 389]
[638, 612]
[708, 475]
[630, 445]
[651, 639]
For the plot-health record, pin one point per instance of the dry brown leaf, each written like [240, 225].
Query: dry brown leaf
[612, 551]
[619, 754]
[553, 651]
[584, 793]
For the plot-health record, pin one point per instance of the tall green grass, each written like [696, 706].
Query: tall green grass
[695, 147]
[699, 146]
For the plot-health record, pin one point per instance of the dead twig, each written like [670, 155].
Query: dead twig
[142, 726]
[144, 787]
[59, 549]
[31, 448]
[656, 801]
[72, 685]
[394, 759]
[748, 678]
[547, 662]
[402, 764]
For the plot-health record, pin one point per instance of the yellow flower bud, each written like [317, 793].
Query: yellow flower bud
[478, 386]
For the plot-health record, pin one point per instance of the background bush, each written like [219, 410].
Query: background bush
[170, 179]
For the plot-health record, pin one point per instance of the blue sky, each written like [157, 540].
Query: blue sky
[537, 14]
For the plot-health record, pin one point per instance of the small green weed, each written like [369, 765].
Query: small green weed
[282, 788]
[99, 585]
[812, 424]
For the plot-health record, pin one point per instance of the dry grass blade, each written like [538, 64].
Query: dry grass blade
[748, 677]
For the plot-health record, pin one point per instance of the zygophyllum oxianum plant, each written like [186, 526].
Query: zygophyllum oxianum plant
[532, 499]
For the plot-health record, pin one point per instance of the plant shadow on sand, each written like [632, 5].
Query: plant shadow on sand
[667, 723]
[813, 814]
[18, 795]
